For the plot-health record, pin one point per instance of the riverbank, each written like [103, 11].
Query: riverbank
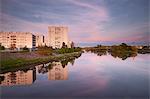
[13, 60]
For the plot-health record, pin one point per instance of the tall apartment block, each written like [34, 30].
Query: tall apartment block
[17, 40]
[57, 35]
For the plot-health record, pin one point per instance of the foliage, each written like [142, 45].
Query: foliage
[2, 48]
[64, 45]
[144, 50]
[123, 51]
[45, 51]
[9, 63]
[67, 50]
[25, 48]
[72, 45]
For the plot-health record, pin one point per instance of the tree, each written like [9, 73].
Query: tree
[99, 46]
[25, 48]
[124, 45]
[2, 47]
[64, 45]
[72, 45]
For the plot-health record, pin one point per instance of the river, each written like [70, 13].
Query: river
[89, 76]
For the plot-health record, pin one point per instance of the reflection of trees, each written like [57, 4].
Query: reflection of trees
[122, 51]
[72, 62]
[144, 50]
[2, 79]
[42, 69]
[65, 62]
[123, 55]
[99, 52]
[102, 53]
[45, 67]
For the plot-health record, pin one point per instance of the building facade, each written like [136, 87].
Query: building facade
[57, 35]
[17, 40]
[40, 40]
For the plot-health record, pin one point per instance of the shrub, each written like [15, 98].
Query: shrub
[2, 48]
[67, 50]
[25, 48]
[44, 52]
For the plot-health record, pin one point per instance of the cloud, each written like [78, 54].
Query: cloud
[82, 23]
[11, 23]
[88, 20]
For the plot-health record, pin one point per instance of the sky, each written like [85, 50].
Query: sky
[88, 20]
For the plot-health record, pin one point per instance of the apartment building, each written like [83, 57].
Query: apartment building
[55, 38]
[57, 35]
[40, 40]
[17, 40]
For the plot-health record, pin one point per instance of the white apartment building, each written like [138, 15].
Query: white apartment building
[40, 40]
[57, 35]
[17, 40]
[55, 38]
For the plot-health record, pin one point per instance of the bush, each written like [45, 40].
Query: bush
[2, 48]
[44, 52]
[67, 50]
[25, 48]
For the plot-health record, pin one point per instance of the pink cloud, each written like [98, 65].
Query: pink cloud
[10, 23]
[133, 38]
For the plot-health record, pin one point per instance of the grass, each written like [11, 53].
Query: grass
[9, 63]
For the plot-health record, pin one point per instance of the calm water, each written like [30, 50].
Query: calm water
[88, 76]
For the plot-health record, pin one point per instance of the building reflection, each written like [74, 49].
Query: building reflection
[55, 70]
[58, 71]
[27, 76]
[18, 78]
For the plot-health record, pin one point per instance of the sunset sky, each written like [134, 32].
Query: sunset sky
[88, 20]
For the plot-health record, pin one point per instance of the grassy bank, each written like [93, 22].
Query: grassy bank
[15, 60]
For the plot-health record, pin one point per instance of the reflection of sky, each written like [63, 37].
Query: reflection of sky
[88, 20]
[93, 75]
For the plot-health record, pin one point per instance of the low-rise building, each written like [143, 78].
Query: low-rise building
[17, 40]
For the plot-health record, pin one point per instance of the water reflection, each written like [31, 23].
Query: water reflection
[116, 54]
[58, 72]
[55, 71]
[18, 78]
[91, 76]
[123, 56]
